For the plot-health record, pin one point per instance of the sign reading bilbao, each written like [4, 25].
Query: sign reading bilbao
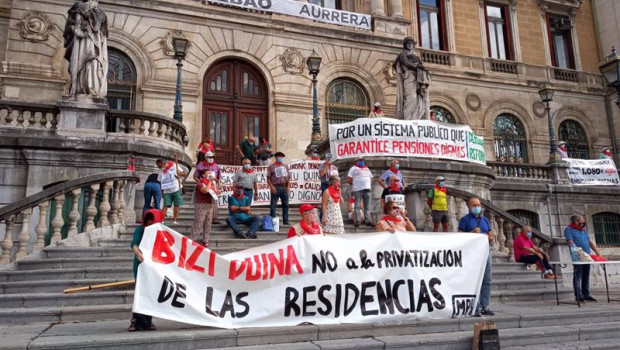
[302, 9]
[362, 278]
[305, 183]
[405, 138]
[598, 172]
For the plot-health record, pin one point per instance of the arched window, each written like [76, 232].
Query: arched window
[345, 101]
[442, 115]
[509, 137]
[530, 218]
[122, 81]
[576, 139]
[606, 229]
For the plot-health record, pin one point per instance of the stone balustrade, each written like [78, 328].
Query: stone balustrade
[14, 114]
[146, 125]
[101, 195]
[566, 75]
[436, 57]
[520, 170]
[501, 66]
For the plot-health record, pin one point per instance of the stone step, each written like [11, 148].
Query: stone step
[565, 294]
[64, 263]
[32, 300]
[590, 344]
[87, 313]
[54, 286]
[85, 252]
[537, 284]
[121, 273]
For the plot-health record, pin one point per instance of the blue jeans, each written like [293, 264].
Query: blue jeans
[283, 195]
[363, 195]
[324, 186]
[485, 289]
[252, 222]
[581, 280]
[152, 192]
[249, 193]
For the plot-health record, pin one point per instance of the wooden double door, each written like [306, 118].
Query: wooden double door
[235, 106]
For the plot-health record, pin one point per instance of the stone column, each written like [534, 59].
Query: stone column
[376, 8]
[396, 8]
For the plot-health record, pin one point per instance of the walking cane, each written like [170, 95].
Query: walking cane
[99, 286]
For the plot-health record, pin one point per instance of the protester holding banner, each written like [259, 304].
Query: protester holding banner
[171, 187]
[141, 322]
[247, 179]
[360, 179]
[526, 252]
[263, 152]
[279, 180]
[475, 222]
[438, 202]
[351, 209]
[395, 219]
[309, 224]
[376, 112]
[332, 216]
[393, 193]
[205, 197]
[210, 164]
[239, 213]
[577, 236]
[393, 170]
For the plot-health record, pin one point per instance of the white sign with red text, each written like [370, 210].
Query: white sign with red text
[380, 137]
[596, 172]
[361, 278]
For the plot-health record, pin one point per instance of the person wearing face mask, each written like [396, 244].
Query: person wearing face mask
[263, 152]
[393, 192]
[393, 170]
[577, 235]
[239, 212]
[395, 219]
[332, 198]
[210, 165]
[314, 155]
[562, 150]
[360, 179]
[279, 180]
[438, 202]
[309, 224]
[526, 252]
[475, 222]
[204, 147]
[376, 112]
[246, 177]
[204, 202]
[326, 171]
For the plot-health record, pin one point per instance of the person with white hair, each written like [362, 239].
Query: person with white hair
[376, 112]
[605, 153]
[562, 150]
[332, 216]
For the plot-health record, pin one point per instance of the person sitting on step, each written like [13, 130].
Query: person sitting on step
[239, 209]
[526, 252]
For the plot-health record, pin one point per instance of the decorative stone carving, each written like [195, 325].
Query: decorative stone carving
[539, 109]
[35, 27]
[292, 61]
[473, 102]
[390, 74]
[167, 45]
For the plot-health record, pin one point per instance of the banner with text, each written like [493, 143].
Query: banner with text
[598, 172]
[362, 278]
[302, 9]
[405, 138]
[305, 183]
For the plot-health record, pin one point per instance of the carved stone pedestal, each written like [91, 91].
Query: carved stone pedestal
[82, 114]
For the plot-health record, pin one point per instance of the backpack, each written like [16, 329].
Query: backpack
[266, 223]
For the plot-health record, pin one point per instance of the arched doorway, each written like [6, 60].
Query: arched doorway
[235, 100]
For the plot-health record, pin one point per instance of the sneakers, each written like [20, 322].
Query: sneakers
[486, 312]
[175, 222]
[589, 298]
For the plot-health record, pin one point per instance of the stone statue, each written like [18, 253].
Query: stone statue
[413, 79]
[85, 35]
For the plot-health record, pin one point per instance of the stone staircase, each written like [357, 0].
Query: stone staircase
[35, 314]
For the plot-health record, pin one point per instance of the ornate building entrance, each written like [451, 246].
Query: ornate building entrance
[234, 107]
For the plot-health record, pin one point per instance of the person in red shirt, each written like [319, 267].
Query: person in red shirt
[309, 224]
[526, 252]
[204, 147]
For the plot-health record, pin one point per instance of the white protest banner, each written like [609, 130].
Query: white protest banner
[305, 183]
[302, 9]
[362, 278]
[405, 138]
[598, 172]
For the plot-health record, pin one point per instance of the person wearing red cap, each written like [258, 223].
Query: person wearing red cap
[309, 224]
[140, 322]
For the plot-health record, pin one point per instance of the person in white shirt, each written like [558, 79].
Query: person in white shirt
[170, 185]
[360, 178]
[376, 112]
[562, 151]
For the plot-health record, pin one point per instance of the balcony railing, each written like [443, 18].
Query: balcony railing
[28, 115]
[565, 75]
[436, 57]
[147, 125]
[520, 170]
[508, 67]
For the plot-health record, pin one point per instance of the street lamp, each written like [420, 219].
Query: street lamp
[610, 67]
[180, 49]
[546, 95]
[314, 63]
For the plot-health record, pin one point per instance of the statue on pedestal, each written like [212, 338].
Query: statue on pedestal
[412, 101]
[85, 35]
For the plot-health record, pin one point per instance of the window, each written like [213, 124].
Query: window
[431, 24]
[442, 115]
[606, 229]
[576, 140]
[560, 41]
[345, 101]
[509, 139]
[121, 81]
[529, 218]
[332, 4]
[498, 31]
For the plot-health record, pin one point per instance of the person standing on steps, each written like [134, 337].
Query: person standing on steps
[376, 111]
[360, 179]
[279, 180]
[562, 150]
[438, 202]
[393, 170]
[152, 193]
[309, 224]
[246, 177]
[204, 147]
[205, 197]
[332, 216]
[210, 164]
[141, 322]
[263, 152]
[169, 178]
[246, 149]
[577, 236]
[393, 192]
[475, 222]
[239, 212]
[326, 171]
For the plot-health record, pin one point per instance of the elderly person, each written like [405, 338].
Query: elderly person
[263, 152]
[239, 212]
[247, 179]
[171, 187]
[526, 252]
[204, 200]
[393, 170]
[204, 147]
[577, 236]
[606, 153]
[309, 224]
[360, 179]
[475, 222]
[393, 192]
[376, 112]
[395, 219]
[209, 164]
[562, 150]
[246, 148]
[332, 198]
[437, 200]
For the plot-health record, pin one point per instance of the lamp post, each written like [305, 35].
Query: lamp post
[314, 64]
[610, 67]
[546, 95]
[180, 49]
